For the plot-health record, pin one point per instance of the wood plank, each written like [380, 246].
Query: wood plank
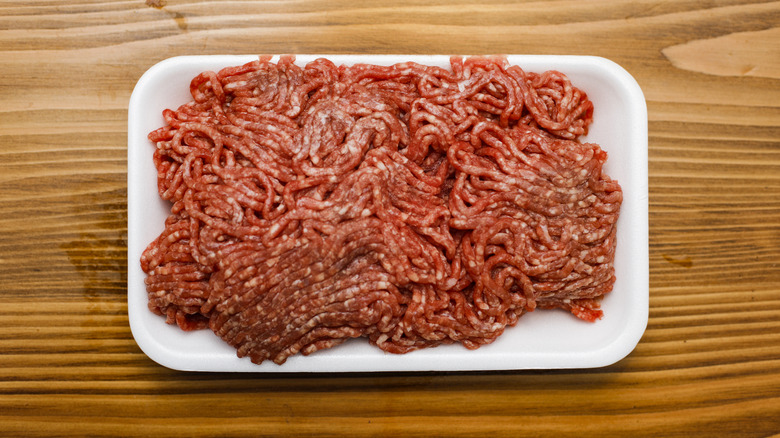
[708, 364]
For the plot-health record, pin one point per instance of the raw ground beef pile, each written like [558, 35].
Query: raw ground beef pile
[410, 205]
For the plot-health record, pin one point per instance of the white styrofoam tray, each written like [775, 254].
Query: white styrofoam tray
[544, 339]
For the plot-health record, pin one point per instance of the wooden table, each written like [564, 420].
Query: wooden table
[708, 364]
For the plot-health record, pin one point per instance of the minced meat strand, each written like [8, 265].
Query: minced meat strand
[411, 205]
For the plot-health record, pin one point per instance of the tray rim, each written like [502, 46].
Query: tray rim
[609, 354]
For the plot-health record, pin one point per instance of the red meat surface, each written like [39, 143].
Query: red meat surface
[411, 205]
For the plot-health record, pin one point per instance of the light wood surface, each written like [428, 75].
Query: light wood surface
[708, 364]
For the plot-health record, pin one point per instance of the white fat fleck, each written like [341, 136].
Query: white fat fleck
[601, 259]
[366, 212]
[253, 282]
[343, 209]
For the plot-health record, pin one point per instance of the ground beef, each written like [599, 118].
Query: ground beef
[411, 205]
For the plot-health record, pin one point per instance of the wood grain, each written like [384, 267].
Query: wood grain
[736, 54]
[708, 365]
